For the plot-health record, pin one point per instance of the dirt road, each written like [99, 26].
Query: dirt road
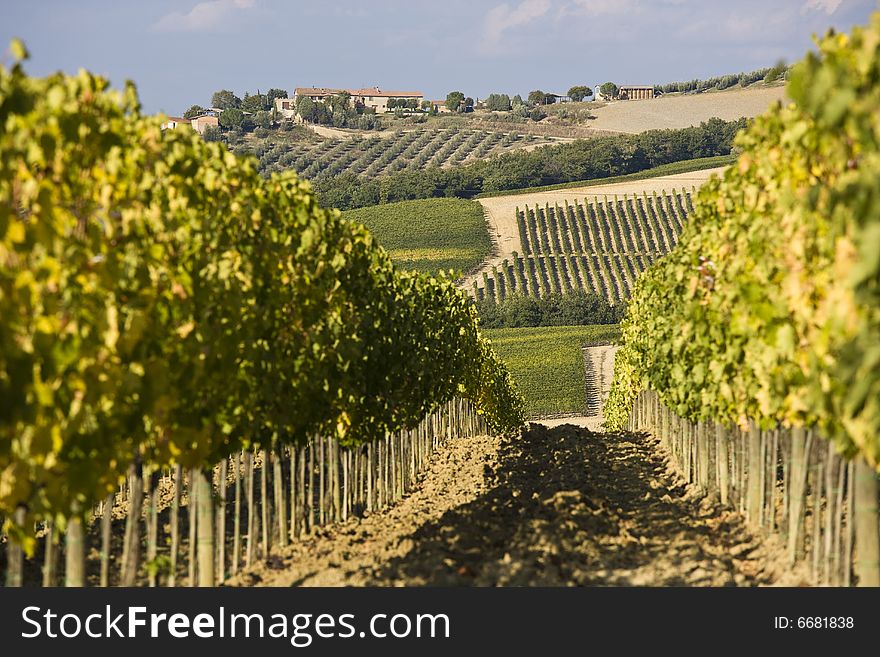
[552, 507]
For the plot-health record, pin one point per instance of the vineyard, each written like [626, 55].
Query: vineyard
[177, 325]
[380, 155]
[548, 365]
[428, 235]
[752, 347]
[597, 246]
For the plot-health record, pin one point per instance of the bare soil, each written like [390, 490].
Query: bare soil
[682, 111]
[550, 507]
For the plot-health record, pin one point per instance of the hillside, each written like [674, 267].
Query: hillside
[429, 235]
[681, 111]
[375, 154]
[504, 228]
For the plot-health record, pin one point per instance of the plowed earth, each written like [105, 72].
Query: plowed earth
[550, 507]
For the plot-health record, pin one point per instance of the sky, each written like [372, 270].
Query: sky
[180, 51]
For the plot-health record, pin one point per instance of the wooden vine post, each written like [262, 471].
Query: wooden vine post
[867, 529]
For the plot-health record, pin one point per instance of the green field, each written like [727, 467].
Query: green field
[429, 235]
[548, 365]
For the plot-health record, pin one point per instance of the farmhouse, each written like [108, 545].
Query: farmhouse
[174, 122]
[201, 123]
[372, 97]
[633, 92]
[286, 107]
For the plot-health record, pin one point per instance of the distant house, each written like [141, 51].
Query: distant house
[201, 123]
[440, 106]
[285, 107]
[174, 122]
[633, 92]
[372, 97]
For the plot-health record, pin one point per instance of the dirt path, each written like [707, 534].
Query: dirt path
[599, 373]
[501, 210]
[560, 506]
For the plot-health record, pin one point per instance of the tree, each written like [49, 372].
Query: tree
[263, 119]
[498, 102]
[231, 118]
[609, 90]
[194, 111]
[516, 100]
[412, 103]
[211, 133]
[305, 107]
[272, 94]
[537, 97]
[392, 103]
[453, 100]
[579, 92]
[225, 99]
[253, 104]
[776, 72]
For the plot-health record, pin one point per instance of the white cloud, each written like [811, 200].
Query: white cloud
[204, 17]
[829, 6]
[604, 7]
[502, 18]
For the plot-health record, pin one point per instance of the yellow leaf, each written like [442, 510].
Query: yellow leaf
[185, 329]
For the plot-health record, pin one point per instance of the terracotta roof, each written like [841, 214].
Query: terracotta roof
[635, 86]
[178, 119]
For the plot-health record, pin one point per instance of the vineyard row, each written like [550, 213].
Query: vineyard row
[608, 276]
[374, 156]
[600, 246]
[172, 527]
[787, 481]
[152, 327]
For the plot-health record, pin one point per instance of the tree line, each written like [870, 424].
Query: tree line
[579, 160]
[577, 308]
[721, 82]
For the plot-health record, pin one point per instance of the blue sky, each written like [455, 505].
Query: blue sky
[180, 51]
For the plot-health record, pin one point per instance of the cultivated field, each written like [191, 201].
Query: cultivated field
[376, 154]
[548, 365]
[597, 246]
[504, 227]
[685, 110]
[429, 235]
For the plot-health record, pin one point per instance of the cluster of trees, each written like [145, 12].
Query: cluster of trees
[578, 160]
[456, 101]
[498, 102]
[531, 107]
[408, 104]
[578, 308]
[780, 70]
[338, 111]
[247, 113]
